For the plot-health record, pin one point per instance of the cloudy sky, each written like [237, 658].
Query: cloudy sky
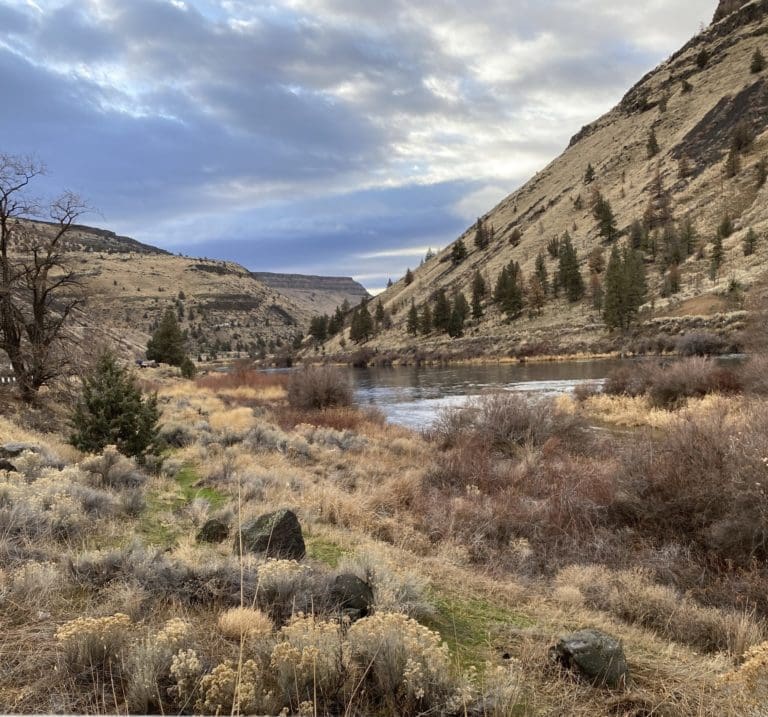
[316, 136]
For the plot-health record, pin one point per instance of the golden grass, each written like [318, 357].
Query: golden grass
[239, 623]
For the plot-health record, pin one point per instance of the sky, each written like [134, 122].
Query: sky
[335, 137]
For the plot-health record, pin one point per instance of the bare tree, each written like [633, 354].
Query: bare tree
[38, 291]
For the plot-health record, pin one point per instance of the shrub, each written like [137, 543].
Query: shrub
[113, 469]
[757, 63]
[239, 623]
[112, 411]
[700, 343]
[318, 387]
[89, 644]
[670, 386]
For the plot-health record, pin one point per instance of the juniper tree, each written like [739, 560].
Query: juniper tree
[652, 145]
[553, 247]
[716, 258]
[111, 411]
[441, 315]
[425, 321]
[540, 272]
[606, 221]
[624, 288]
[408, 279]
[167, 342]
[482, 236]
[508, 293]
[758, 62]
[318, 328]
[478, 294]
[458, 252]
[589, 174]
[750, 241]
[568, 270]
[412, 322]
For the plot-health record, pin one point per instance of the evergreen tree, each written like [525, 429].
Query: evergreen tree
[112, 411]
[188, 369]
[482, 236]
[553, 247]
[379, 316]
[458, 252]
[389, 283]
[425, 322]
[412, 322]
[716, 260]
[455, 323]
[408, 277]
[508, 292]
[568, 270]
[540, 272]
[478, 294]
[758, 62]
[361, 328]
[536, 295]
[688, 236]
[637, 235]
[167, 342]
[441, 316]
[625, 287]
[702, 58]
[596, 260]
[652, 145]
[596, 292]
[318, 328]
[461, 306]
[732, 164]
[750, 241]
[589, 174]
[606, 221]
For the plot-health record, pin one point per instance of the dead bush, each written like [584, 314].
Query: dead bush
[318, 387]
[242, 375]
[700, 343]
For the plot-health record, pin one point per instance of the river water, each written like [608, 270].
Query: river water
[412, 396]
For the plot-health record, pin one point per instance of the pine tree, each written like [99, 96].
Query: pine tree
[637, 235]
[589, 174]
[652, 145]
[596, 292]
[625, 287]
[167, 342]
[408, 277]
[750, 241]
[361, 328]
[482, 236]
[188, 369]
[716, 259]
[458, 252]
[461, 306]
[606, 221]
[540, 272]
[389, 283]
[425, 321]
[568, 270]
[412, 322]
[379, 316]
[536, 295]
[112, 411]
[553, 247]
[508, 293]
[478, 294]
[688, 236]
[318, 328]
[441, 315]
[758, 62]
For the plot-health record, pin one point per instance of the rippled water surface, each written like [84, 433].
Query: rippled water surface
[412, 396]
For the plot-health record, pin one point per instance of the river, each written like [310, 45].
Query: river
[412, 396]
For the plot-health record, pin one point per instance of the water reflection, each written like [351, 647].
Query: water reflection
[412, 396]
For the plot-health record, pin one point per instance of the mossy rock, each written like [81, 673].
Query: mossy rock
[275, 535]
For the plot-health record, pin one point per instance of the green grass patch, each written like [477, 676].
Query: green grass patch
[324, 550]
[152, 527]
[468, 626]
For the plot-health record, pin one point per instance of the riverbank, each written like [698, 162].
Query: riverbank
[496, 548]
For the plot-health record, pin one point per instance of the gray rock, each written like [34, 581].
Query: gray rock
[352, 596]
[213, 531]
[7, 466]
[15, 449]
[276, 535]
[594, 656]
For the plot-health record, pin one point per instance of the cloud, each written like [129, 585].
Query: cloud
[308, 134]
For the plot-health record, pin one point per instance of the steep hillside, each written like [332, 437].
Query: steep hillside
[315, 294]
[697, 104]
[224, 307]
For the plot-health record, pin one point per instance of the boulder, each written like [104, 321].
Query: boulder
[593, 655]
[7, 466]
[213, 531]
[14, 449]
[276, 535]
[352, 596]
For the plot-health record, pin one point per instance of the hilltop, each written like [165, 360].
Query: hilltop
[662, 158]
[223, 306]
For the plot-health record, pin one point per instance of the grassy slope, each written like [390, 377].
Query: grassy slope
[349, 495]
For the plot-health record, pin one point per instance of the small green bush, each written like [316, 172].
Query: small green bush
[112, 411]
